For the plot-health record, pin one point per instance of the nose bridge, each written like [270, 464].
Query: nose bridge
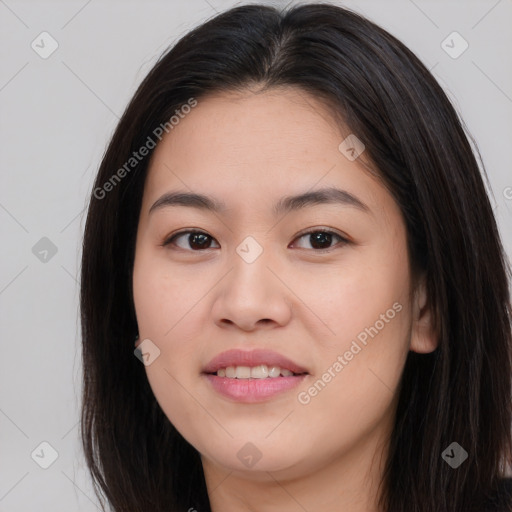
[250, 291]
[250, 274]
[250, 250]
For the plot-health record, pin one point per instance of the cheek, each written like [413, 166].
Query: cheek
[163, 298]
[352, 297]
[167, 306]
[368, 310]
[353, 393]
[165, 315]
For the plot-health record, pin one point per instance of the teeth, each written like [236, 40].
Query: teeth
[261, 371]
[242, 372]
[274, 371]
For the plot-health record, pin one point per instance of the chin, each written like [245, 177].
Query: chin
[256, 463]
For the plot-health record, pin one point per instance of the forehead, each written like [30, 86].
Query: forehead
[252, 146]
[257, 126]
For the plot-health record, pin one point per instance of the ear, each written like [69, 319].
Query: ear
[423, 337]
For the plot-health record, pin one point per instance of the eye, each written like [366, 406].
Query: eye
[321, 239]
[196, 240]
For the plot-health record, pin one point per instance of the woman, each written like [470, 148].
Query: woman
[290, 224]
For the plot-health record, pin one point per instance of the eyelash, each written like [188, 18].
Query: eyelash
[343, 240]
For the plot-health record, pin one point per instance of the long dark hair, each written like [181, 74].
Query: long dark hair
[460, 392]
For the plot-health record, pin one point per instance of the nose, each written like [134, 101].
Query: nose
[252, 296]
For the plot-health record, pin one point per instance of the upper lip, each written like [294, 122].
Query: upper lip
[251, 358]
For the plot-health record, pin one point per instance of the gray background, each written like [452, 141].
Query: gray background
[57, 116]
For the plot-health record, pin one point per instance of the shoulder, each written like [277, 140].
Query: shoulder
[501, 499]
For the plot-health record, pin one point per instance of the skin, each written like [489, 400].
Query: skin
[248, 150]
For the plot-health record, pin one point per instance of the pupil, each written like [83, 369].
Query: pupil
[199, 239]
[319, 239]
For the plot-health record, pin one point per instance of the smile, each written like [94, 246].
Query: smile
[252, 376]
[261, 371]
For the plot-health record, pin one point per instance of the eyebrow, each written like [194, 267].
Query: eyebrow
[328, 195]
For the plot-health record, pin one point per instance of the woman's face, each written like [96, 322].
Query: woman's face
[338, 309]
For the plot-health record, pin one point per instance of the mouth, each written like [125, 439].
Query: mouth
[252, 376]
[262, 371]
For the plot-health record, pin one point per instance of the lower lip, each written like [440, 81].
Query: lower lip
[253, 390]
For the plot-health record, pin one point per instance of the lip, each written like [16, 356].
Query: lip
[252, 390]
[251, 358]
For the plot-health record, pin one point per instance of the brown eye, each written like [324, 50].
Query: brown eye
[196, 240]
[321, 239]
